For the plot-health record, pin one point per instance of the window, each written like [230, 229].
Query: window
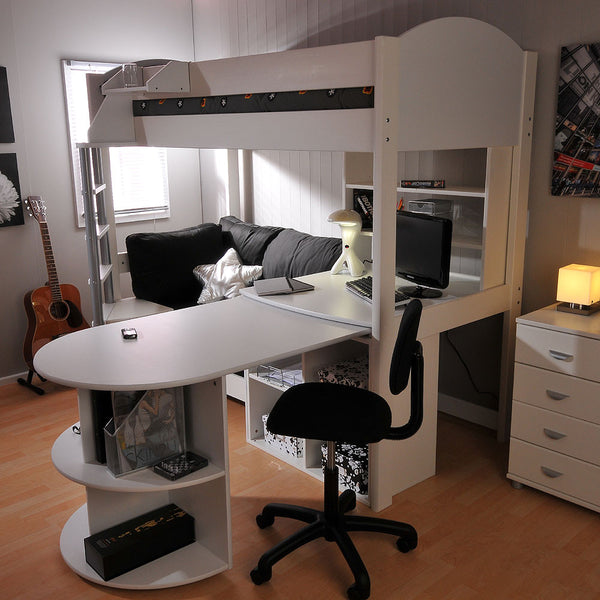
[140, 187]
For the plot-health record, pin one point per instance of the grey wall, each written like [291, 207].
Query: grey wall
[34, 36]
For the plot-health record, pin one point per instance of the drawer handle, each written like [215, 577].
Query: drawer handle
[556, 395]
[561, 355]
[551, 472]
[554, 435]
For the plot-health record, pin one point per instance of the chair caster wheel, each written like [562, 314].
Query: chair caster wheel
[259, 576]
[406, 544]
[264, 521]
[347, 501]
[358, 593]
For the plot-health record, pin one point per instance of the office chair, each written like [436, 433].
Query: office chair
[338, 413]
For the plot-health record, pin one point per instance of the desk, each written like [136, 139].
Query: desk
[195, 348]
[192, 348]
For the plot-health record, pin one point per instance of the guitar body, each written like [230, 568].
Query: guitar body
[48, 318]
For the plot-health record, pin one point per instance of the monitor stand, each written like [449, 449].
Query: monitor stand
[417, 291]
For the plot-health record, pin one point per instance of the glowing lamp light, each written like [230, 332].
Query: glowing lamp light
[578, 289]
[350, 224]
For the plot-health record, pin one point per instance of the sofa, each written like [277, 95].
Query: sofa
[164, 266]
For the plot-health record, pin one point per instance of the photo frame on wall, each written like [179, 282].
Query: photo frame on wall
[11, 207]
[7, 134]
[576, 166]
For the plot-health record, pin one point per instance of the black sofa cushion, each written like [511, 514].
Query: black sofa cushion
[294, 254]
[249, 240]
[162, 264]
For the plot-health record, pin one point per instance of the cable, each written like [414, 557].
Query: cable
[468, 371]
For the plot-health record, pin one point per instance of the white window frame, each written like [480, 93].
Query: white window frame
[126, 171]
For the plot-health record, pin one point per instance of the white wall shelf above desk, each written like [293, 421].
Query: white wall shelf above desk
[466, 191]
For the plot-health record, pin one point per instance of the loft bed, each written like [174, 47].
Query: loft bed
[452, 83]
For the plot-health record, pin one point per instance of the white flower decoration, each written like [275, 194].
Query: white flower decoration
[8, 199]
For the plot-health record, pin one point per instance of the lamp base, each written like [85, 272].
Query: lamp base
[578, 309]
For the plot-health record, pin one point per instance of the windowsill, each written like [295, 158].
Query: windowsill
[147, 215]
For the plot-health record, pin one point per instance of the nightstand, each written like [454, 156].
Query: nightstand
[555, 432]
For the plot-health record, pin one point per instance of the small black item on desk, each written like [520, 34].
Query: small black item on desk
[281, 285]
[134, 543]
[129, 333]
[180, 465]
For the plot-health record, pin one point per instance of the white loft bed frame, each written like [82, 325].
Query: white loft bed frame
[447, 84]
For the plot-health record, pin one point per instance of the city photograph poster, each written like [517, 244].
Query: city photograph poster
[576, 166]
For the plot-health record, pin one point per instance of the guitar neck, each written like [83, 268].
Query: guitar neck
[53, 283]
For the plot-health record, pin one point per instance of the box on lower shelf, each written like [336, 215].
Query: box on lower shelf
[138, 541]
[289, 445]
[352, 461]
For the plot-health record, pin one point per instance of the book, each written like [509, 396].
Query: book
[281, 285]
[423, 183]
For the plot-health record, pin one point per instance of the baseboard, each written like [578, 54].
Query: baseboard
[468, 411]
[12, 378]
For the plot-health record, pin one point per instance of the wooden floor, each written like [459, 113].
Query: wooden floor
[479, 537]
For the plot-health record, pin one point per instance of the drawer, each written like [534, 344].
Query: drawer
[561, 393]
[557, 432]
[555, 471]
[558, 351]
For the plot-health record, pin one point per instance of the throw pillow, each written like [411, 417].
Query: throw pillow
[225, 278]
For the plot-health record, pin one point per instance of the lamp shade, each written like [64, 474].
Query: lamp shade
[578, 284]
[345, 217]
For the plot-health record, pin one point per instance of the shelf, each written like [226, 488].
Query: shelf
[67, 456]
[469, 191]
[172, 76]
[170, 570]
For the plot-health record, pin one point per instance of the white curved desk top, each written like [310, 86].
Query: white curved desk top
[186, 346]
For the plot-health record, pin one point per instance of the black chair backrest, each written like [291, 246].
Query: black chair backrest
[405, 346]
[407, 360]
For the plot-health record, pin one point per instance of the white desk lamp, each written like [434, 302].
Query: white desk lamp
[350, 224]
[578, 289]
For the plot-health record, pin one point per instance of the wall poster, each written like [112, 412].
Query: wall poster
[7, 134]
[576, 167]
[11, 208]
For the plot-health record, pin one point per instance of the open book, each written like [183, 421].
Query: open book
[280, 285]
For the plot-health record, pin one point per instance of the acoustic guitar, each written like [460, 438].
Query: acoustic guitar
[54, 309]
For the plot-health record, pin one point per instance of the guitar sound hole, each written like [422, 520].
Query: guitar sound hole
[59, 311]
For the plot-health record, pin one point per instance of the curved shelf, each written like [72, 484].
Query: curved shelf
[67, 456]
[177, 568]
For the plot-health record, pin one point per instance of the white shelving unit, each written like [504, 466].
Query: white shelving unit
[263, 392]
[113, 500]
[478, 186]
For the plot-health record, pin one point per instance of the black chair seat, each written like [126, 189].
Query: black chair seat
[331, 412]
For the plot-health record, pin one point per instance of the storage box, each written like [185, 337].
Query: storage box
[431, 206]
[352, 461]
[134, 543]
[284, 443]
[353, 372]
[147, 427]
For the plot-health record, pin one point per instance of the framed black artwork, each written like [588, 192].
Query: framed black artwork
[11, 207]
[7, 134]
[576, 167]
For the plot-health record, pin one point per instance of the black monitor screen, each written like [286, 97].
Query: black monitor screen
[423, 246]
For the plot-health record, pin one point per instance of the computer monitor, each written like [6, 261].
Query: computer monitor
[423, 247]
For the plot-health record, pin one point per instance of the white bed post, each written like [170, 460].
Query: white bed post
[517, 229]
[385, 174]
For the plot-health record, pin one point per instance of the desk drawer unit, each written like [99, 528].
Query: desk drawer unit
[555, 430]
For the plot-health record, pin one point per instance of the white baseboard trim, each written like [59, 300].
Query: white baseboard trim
[468, 411]
[12, 378]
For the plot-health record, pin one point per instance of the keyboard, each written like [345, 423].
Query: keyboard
[363, 288]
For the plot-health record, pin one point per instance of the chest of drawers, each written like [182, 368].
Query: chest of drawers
[555, 431]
